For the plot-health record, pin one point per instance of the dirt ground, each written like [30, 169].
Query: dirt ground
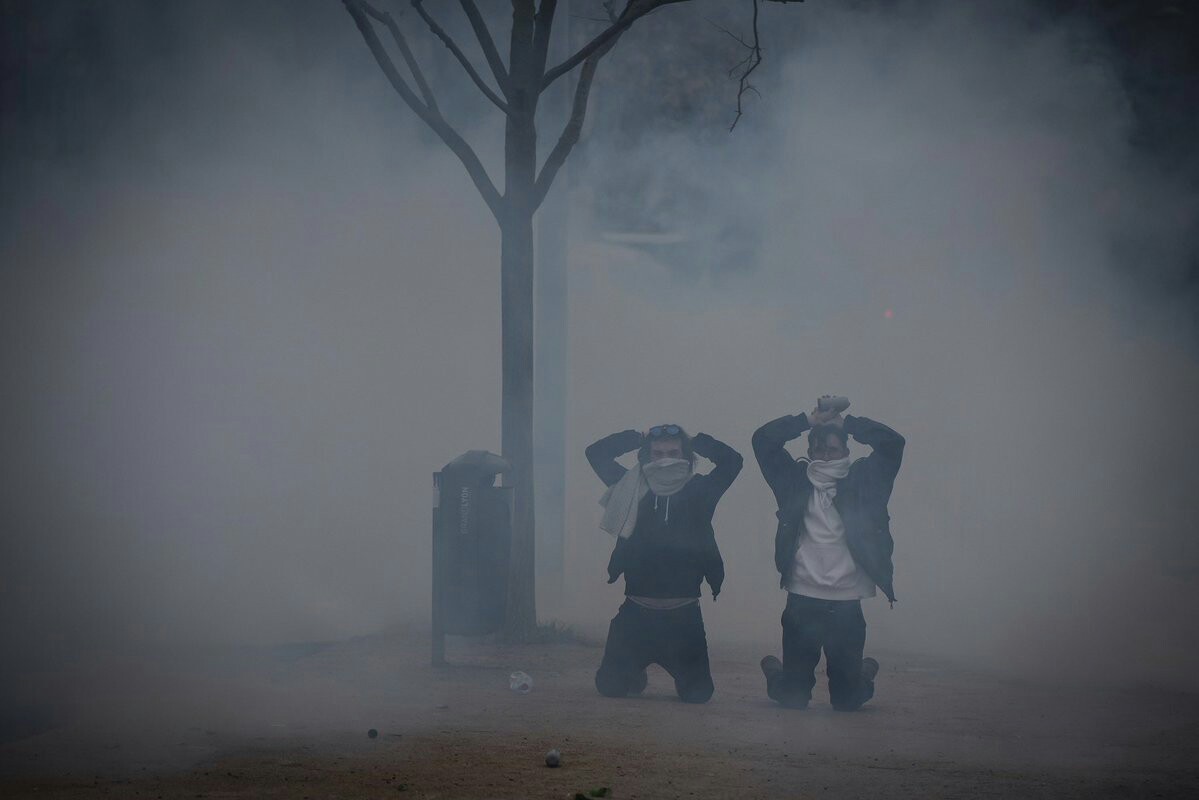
[294, 721]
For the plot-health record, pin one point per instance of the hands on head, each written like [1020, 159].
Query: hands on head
[830, 417]
[818, 417]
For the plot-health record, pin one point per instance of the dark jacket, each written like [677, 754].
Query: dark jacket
[861, 499]
[672, 548]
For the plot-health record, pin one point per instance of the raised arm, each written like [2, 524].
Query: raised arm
[602, 455]
[886, 444]
[779, 469]
[727, 460]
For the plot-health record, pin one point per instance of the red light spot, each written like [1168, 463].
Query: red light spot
[889, 314]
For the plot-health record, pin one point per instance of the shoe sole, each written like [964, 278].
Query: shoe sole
[770, 665]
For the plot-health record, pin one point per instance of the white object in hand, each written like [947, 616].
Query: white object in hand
[833, 403]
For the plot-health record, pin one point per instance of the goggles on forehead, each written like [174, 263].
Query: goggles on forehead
[660, 431]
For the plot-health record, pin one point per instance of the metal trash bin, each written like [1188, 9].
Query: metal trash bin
[472, 537]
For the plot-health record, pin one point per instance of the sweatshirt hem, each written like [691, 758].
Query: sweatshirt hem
[828, 593]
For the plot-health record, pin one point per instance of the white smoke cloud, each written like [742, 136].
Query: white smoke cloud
[246, 343]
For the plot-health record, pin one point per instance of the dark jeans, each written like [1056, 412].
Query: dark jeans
[837, 627]
[675, 640]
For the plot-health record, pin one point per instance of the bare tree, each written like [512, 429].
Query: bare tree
[515, 88]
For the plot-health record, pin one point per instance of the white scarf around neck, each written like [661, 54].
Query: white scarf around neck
[824, 476]
[664, 477]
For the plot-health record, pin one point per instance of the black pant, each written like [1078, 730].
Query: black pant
[674, 639]
[839, 628]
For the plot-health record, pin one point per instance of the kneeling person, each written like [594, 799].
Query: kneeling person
[660, 512]
[832, 548]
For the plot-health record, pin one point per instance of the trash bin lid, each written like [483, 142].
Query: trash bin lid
[482, 462]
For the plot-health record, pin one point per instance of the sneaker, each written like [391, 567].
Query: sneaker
[869, 669]
[770, 666]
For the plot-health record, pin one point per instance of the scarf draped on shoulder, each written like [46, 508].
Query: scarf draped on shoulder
[663, 477]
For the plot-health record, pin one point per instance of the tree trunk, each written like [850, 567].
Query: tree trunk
[516, 291]
[549, 398]
[516, 281]
[550, 333]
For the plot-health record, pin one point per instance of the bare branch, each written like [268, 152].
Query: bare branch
[735, 37]
[490, 52]
[589, 19]
[431, 116]
[541, 34]
[751, 62]
[520, 52]
[440, 33]
[633, 11]
[405, 51]
[574, 126]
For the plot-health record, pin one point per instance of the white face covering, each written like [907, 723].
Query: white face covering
[824, 476]
[667, 475]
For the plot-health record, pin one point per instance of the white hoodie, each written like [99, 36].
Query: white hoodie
[823, 567]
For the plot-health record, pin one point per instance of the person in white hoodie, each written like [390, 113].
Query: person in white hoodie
[832, 549]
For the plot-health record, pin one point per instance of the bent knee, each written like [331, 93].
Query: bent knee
[611, 685]
[701, 693]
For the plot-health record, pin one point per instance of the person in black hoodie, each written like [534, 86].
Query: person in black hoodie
[660, 512]
[832, 548]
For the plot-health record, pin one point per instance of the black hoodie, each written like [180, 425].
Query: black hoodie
[672, 548]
